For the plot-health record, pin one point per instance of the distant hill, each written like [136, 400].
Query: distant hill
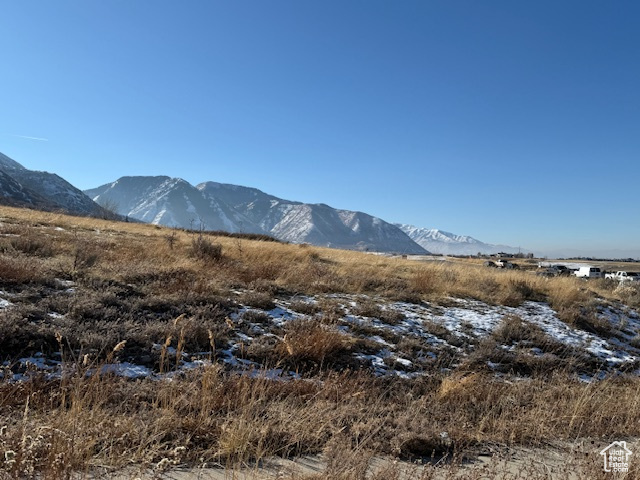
[234, 208]
[44, 191]
[445, 243]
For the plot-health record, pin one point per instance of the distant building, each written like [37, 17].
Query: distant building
[502, 255]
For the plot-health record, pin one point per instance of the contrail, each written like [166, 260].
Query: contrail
[28, 138]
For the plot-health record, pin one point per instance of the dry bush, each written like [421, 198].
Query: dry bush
[306, 308]
[427, 281]
[86, 254]
[443, 332]
[311, 273]
[517, 291]
[629, 294]
[331, 308]
[260, 300]
[366, 307]
[585, 317]
[567, 292]
[370, 308]
[345, 461]
[20, 269]
[30, 244]
[255, 316]
[308, 344]
[309, 269]
[515, 331]
[205, 250]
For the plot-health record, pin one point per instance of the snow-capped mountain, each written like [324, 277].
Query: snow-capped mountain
[445, 243]
[318, 224]
[47, 191]
[170, 201]
[233, 208]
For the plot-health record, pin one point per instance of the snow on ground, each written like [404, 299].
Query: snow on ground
[126, 369]
[405, 344]
[484, 319]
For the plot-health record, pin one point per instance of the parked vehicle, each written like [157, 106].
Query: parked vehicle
[507, 265]
[624, 276]
[589, 272]
[561, 270]
[546, 272]
[555, 271]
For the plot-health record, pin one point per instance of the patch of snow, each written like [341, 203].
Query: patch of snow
[38, 361]
[126, 369]
[404, 361]
[379, 339]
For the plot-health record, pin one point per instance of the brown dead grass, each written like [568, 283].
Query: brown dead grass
[56, 428]
[131, 251]
[310, 342]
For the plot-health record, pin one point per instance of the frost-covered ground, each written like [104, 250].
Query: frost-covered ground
[395, 338]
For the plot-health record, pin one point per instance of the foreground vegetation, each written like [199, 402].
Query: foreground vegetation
[93, 294]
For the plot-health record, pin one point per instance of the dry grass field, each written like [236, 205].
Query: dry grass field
[133, 348]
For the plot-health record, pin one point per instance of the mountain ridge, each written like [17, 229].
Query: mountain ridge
[446, 243]
[221, 206]
[235, 208]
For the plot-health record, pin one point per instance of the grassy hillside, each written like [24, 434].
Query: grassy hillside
[127, 344]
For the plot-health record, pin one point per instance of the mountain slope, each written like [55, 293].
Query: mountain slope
[47, 191]
[15, 194]
[8, 164]
[445, 243]
[318, 224]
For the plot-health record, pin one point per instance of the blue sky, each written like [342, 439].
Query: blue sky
[514, 122]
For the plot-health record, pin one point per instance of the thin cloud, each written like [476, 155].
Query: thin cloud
[29, 138]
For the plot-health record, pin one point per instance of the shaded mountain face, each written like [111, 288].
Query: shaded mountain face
[14, 193]
[42, 190]
[445, 243]
[9, 165]
[317, 224]
[233, 208]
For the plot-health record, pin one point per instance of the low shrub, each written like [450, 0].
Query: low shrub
[308, 344]
[204, 249]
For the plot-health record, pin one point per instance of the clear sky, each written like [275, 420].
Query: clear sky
[514, 122]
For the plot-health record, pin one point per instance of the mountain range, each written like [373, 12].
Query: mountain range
[445, 243]
[218, 206]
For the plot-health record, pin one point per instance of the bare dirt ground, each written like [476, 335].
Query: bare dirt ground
[566, 461]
